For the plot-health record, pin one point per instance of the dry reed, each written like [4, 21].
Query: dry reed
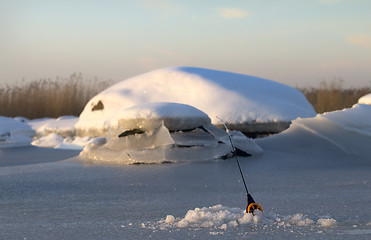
[49, 98]
[332, 96]
[68, 96]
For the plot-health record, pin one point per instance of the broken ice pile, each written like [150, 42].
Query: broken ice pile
[163, 132]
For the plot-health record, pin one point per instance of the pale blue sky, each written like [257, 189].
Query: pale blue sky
[295, 42]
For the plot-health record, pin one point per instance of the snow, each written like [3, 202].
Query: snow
[235, 98]
[366, 99]
[217, 216]
[64, 126]
[296, 219]
[51, 140]
[355, 119]
[343, 135]
[326, 222]
[54, 140]
[220, 217]
[150, 115]
[45, 132]
[57, 133]
[14, 132]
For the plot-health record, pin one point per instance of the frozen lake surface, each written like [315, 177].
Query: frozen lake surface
[50, 194]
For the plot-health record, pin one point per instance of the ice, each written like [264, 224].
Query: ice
[56, 198]
[166, 132]
[160, 145]
[366, 99]
[235, 98]
[158, 137]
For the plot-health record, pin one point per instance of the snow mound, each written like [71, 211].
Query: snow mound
[163, 132]
[337, 134]
[14, 132]
[217, 216]
[222, 218]
[236, 98]
[366, 99]
[296, 219]
[326, 222]
[64, 126]
[51, 140]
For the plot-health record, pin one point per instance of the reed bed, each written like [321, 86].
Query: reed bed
[49, 98]
[332, 96]
[68, 96]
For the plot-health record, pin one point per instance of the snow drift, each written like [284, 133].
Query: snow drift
[63, 126]
[14, 132]
[245, 103]
[366, 99]
[166, 132]
[343, 134]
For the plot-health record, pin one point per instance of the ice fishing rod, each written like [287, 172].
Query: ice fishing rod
[251, 204]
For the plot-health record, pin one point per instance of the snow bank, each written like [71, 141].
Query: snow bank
[14, 132]
[45, 132]
[64, 126]
[237, 99]
[337, 134]
[366, 99]
[54, 140]
[222, 218]
[163, 132]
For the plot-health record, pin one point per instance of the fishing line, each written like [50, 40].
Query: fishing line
[251, 204]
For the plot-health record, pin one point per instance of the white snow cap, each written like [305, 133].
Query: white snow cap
[235, 98]
[150, 116]
[366, 99]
